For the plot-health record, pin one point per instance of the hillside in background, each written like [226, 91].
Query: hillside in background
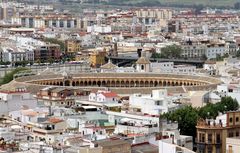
[77, 6]
[216, 3]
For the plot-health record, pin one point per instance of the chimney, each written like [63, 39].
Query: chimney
[115, 51]
[139, 52]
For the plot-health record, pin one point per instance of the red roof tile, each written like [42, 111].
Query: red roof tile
[54, 120]
[109, 94]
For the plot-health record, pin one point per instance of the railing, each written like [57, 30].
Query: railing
[46, 131]
[135, 129]
[140, 125]
[207, 143]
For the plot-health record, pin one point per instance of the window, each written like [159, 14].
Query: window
[218, 138]
[202, 137]
[237, 133]
[142, 67]
[201, 150]
[158, 103]
[210, 149]
[230, 134]
[237, 119]
[209, 138]
[218, 149]
[230, 119]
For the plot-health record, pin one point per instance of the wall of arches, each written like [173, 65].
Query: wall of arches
[120, 82]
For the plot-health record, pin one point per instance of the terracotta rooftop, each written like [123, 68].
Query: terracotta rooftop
[210, 62]
[110, 94]
[54, 120]
[29, 113]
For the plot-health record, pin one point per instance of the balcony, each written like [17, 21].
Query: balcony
[46, 130]
[134, 128]
[208, 143]
[138, 125]
[38, 96]
[139, 116]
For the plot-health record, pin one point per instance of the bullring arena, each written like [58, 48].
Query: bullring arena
[122, 83]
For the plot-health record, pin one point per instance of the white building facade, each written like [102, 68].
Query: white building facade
[169, 67]
[12, 101]
[102, 96]
[155, 104]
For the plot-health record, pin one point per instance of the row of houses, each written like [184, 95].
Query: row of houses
[18, 49]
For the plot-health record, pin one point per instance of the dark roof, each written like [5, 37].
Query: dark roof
[144, 148]
[111, 142]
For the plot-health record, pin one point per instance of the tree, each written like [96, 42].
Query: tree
[208, 111]
[229, 104]
[221, 58]
[9, 76]
[173, 51]
[38, 61]
[204, 57]
[148, 3]
[187, 116]
[5, 63]
[21, 63]
[56, 41]
[156, 55]
[187, 119]
[50, 60]
[218, 57]
[212, 110]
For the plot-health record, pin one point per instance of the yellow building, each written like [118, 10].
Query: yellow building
[73, 46]
[81, 56]
[97, 58]
[212, 134]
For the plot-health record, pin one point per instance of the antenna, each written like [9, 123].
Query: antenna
[38, 5]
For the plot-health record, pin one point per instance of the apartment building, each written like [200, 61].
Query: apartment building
[156, 103]
[232, 47]
[169, 67]
[73, 46]
[47, 53]
[209, 49]
[193, 49]
[151, 16]
[216, 49]
[46, 21]
[13, 55]
[212, 134]
[97, 58]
